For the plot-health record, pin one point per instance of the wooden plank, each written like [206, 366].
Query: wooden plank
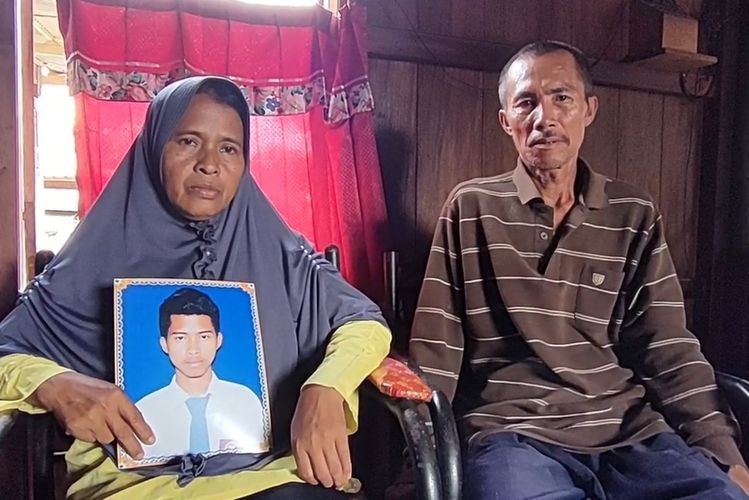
[600, 28]
[60, 183]
[8, 162]
[512, 22]
[448, 17]
[692, 216]
[28, 135]
[557, 21]
[449, 122]
[496, 144]
[721, 313]
[12, 458]
[640, 128]
[678, 166]
[392, 13]
[405, 45]
[394, 87]
[600, 148]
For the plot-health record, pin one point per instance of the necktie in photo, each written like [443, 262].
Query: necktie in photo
[198, 425]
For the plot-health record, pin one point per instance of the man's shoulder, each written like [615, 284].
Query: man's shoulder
[497, 186]
[621, 188]
[626, 195]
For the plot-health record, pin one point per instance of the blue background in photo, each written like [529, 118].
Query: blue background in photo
[147, 367]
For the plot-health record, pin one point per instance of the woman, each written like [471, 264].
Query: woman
[182, 205]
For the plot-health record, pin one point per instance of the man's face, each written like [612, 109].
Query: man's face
[191, 344]
[203, 161]
[546, 111]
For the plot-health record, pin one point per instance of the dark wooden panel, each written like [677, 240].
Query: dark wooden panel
[392, 13]
[600, 148]
[12, 459]
[557, 20]
[443, 50]
[512, 22]
[721, 314]
[689, 308]
[394, 88]
[692, 217]
[678, 174]
[448, 17]
[9, 236]
[640, 127]
[449, 127]
[600, 28]
[517, 22]
[497, 146]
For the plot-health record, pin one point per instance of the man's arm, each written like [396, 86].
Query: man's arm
[436, 343]
[654, 341]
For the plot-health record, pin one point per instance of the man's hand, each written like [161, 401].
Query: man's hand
[739, 475]
[93, 410]
[319, 439]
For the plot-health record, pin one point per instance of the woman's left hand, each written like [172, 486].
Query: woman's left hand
[319, 439]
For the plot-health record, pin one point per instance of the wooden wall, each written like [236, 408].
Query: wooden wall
[437, 125]
[8, 161]
[11, 451]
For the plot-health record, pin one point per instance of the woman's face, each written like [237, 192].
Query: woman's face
[203, 161]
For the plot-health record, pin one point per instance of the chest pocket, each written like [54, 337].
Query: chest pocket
[597, 292]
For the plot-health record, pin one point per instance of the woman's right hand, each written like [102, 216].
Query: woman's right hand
[93, 410]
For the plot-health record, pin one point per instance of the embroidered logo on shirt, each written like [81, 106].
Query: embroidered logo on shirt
[598, 279]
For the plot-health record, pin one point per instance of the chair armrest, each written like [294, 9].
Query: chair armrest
[395, 379]
[736, 390]
[448, 446]
[401, 389]
[7, 421]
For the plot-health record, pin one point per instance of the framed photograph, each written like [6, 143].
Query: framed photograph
[189, 354]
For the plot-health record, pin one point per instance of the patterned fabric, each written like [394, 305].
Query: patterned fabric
[393, 378]
[265, 100]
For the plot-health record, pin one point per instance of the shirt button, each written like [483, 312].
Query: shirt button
[544, 235]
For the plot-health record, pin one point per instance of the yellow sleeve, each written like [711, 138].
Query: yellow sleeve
[20, 376]
[354, 351]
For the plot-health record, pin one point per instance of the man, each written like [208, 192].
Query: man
[552, 314]
[198, 412]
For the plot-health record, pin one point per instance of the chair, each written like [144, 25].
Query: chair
[736, 390]
[436, 459]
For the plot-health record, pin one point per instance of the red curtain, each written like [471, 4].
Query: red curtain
[303, 71]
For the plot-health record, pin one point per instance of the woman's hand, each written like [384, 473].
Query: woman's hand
[319, 439]
[93, 410]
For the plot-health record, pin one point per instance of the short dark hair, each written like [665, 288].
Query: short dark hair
[187, 301]
[224, 92]
[537, 49]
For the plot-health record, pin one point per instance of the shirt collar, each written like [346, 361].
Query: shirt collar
[211, 387]
[592, 194]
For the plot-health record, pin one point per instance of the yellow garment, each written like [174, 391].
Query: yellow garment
[354, 351]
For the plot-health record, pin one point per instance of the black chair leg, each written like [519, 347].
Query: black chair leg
[39, 435]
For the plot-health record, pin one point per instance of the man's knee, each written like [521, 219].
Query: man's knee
[505, 466]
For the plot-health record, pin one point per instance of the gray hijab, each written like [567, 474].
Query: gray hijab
[66, 313]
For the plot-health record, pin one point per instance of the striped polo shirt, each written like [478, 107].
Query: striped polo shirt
[575, 336]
